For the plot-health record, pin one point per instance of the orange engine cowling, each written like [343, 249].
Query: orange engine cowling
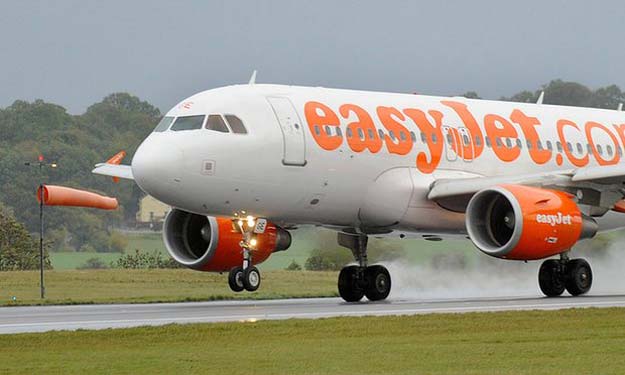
[525, 223]
[207, 243]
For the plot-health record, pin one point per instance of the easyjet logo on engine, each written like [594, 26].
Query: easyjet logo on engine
[553, 220]
[400, 126]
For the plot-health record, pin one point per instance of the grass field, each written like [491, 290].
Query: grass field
[580, 341]
[122, 286]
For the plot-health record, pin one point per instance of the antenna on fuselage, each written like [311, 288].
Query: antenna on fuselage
[540, 98]
[252, 78]
[620, 107]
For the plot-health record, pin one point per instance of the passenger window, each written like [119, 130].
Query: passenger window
[349, 132]
[319, 132]
[498, 142]
[465, 138]
[361, 134]
[413, 137]
[339, 132]
[539, 145]
[559, 146]
[549, 146]
[423, 139]
[392, 135]
[190, 123]
[327, 130]
[402, 136]
[618, 151]
[609, 149]
[450, 139]
[569, 146]
[370, 132]
[478, 141]
[600, 150]
[488, 144]
[236, 124]
[588, 148]
[580, 149]
[434, 138]
[508, 142]
[529, 144]
[216, 123]
[163, 124]
[381, 134]
[519, 144]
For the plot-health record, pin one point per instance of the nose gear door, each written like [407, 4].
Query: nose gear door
[292, 131]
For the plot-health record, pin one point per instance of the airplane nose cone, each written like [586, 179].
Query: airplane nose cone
[157, 167]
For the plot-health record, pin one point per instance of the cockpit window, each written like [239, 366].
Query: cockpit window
[188, 123]
[163, 124]
[215, 122]
[236, 124]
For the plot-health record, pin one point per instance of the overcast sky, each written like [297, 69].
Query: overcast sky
[74, 53]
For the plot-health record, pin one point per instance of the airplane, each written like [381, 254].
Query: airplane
[244, 165]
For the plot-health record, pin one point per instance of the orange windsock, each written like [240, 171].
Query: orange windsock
[64, 196]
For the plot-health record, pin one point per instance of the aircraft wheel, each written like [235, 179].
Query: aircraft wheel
[578, 277]
[349, 289]
[550, 278]
[235, 279]
[251, 278]
[378, 281]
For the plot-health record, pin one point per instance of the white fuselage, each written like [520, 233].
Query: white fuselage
[294, 167]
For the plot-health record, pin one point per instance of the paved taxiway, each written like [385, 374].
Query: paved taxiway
[47, 318]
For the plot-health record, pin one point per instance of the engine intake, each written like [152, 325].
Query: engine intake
[208, 243]
[525, 223]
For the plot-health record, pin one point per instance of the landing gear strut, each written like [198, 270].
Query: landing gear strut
[556, 275]
[361, 280]
[246, 277]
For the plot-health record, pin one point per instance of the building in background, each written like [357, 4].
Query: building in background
[151, 213]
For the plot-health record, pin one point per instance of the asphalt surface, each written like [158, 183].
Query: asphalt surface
[48, 318]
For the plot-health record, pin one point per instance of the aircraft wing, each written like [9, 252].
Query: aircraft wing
[600, 186]
[114, 170]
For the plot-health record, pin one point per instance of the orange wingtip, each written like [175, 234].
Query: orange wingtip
[64, 196]
[117, 159]
[619, 207]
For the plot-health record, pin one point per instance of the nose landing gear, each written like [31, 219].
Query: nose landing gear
[357, 281]
[246, 277]
[556, 275]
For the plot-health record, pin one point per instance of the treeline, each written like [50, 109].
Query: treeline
[75, 144]
[560, 92]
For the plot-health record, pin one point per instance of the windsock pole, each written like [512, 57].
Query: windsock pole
[43, 289]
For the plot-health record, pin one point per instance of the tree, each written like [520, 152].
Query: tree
[18, 250]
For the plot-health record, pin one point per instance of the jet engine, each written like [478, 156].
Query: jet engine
[207, 243]
[525, 223]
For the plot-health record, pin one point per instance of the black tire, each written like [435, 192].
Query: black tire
[378, 281]
[349, 289]
[550, 279]
[235, 279]
[578, 277]
[251, 279]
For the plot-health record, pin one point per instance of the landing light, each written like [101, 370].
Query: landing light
[253, 242]
[250, 221]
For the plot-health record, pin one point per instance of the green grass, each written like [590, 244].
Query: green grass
[579, 341]
[131, 286]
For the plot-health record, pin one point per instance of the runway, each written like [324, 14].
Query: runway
[48, 318]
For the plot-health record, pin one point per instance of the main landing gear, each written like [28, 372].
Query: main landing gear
[361, 280]
[245, 277]
[556, 275]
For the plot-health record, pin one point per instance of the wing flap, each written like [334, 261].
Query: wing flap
[114, 170]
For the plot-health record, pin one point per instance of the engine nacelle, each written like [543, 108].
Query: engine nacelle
[525, 223]
[207, 243]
